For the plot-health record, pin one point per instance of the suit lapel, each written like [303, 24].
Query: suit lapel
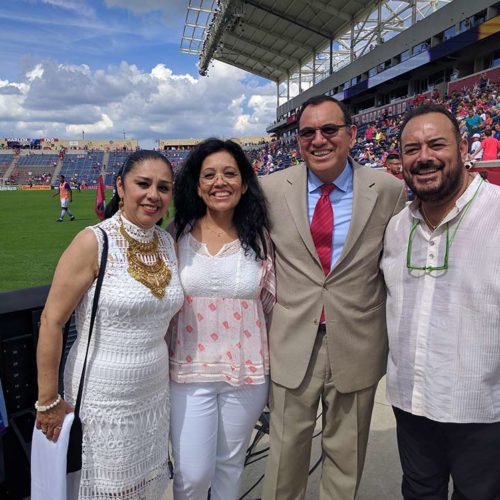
[364, 198]
[296, 199]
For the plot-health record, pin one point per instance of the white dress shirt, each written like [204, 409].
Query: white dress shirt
[444, 326]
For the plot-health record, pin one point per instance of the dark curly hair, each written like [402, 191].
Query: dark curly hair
[250, 215]
[131, 161]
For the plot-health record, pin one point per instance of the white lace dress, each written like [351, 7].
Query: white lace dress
[125, 404]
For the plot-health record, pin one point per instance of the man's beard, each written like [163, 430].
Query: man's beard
[448, 186]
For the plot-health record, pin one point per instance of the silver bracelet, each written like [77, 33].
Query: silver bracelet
[42, 408]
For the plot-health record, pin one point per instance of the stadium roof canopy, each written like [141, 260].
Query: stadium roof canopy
[277, 39]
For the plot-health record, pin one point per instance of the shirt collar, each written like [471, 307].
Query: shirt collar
[460, 204]
[341, 182]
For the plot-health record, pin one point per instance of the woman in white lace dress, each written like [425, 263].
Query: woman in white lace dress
[125, 403]
[219, 362]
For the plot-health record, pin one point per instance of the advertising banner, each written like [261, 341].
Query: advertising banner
[35, 188]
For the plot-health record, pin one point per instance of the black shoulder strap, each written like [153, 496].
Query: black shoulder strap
[100, 277]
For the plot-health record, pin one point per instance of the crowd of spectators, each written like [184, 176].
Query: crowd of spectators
[477, 111]
[43, 178]
[11, 180]
[273, 156]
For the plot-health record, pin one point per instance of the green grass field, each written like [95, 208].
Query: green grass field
[31, 241]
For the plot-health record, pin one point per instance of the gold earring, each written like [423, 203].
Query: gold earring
[120, 204]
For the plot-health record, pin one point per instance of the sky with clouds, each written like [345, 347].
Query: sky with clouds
[114, 67]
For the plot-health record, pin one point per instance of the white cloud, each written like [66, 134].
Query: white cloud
[105, 124]
[8, 88]
[262, 108]
[77, 6]
[36, 72]
[57, 100]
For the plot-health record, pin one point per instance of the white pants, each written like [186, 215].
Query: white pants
[210, 428]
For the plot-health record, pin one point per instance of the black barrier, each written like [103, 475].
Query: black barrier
[19, 320]
[20, 312]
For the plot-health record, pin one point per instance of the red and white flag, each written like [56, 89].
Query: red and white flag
[100, 198]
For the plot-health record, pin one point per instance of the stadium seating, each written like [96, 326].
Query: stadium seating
[115, 161]
[34, 169]
[35, 175]
[36, 160]
[5, 161]
[85, 166]
[176, 157]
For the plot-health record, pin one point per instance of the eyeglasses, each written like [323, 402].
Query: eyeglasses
[411, 237]
[327, 131]
[211, 177]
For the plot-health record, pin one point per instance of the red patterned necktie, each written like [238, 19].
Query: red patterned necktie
[322, 230]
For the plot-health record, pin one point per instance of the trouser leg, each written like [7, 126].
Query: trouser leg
[293, 419]
[346, 426]
[193, 434]
[422, 451]
[239, 409]
[474, 457]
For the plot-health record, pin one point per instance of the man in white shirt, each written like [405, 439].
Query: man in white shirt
[476, 152]
[441, 266]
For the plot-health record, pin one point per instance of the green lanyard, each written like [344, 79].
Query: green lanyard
[449, 240]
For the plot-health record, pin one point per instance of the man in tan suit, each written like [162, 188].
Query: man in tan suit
[328, 333]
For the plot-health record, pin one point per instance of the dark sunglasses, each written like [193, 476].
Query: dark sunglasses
[327, 131]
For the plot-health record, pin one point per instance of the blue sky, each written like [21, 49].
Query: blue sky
[114, 65]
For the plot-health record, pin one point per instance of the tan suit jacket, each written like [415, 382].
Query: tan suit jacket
[353, 294]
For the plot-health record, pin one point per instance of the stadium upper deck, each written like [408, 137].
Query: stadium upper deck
[303, 40]
[364, 54]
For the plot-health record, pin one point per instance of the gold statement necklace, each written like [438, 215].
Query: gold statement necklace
[155, 276]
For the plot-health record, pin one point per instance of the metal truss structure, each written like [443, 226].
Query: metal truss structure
[198, 18]
[295, 43]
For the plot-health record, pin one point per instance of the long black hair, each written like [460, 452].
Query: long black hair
[132, 160]
[250, 215]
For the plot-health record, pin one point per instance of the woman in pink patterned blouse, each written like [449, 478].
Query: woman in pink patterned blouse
[219, 361]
